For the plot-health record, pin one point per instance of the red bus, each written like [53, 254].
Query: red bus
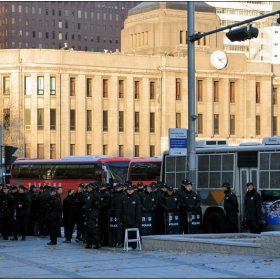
[69, 172]
[144, 169]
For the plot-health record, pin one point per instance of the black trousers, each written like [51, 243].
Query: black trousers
[22, 224]
[92, 232]
[4, 226]
[53, 227]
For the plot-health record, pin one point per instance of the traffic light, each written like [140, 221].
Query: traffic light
[9, 158]
[243, 33]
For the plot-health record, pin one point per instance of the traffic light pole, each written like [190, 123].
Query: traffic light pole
[191, 81]
[198, 36]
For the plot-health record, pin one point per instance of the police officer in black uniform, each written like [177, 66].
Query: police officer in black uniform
[189, 202]
[148, 199]
[53, 214]
[252, 208]
[116, 240]
[34, 216]
[22, 206]
[129, 212]
[6, 211]
[231, 208]
[104, 206]
[92, 216]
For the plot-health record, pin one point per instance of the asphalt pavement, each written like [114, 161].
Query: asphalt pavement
[33, 258]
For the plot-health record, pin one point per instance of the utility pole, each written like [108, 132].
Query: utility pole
[239, 34]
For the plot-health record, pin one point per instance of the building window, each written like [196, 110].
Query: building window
[121, 93]
[200, 124]
[152, 122]
[232, 125]
[89, 149]
[105, 88]
[121, 121]
[199, 90]
[89, 85]
[72, 119]
[258, 125]
[275, 126]
[178, 89]
[72, 86]
[258, 93]
[40, 85]
[178, 120]
[27, 150]
[216, 124]
[105, 120]
[136, 122]
[52, 151]
[72, 149]
[121, 151]
[152, 151]
[152, 90]
[27, 119]
[6, 85]
[40, 119]
[136, 90]
[232, 92]
[40, 151]
[27, 85]
[52, 119]
[274, 96]
[6, 118]
[105, 149]
[216, 91]
[136, 150]
[89, 120]
[52, 85]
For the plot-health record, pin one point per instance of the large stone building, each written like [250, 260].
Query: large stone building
[67, 102]
[83, 25]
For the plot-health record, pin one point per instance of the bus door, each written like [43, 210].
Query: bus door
[246, 175]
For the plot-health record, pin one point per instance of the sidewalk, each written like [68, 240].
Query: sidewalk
[34, 259]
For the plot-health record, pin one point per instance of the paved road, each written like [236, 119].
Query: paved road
[34, 259]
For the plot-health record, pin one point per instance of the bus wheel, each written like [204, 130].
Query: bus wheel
[215, 223]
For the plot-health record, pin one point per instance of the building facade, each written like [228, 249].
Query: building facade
[68, 102]
[83, 25]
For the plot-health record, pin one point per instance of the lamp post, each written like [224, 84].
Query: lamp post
[239, 34]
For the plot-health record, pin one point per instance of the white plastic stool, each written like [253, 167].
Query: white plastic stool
[126, 240]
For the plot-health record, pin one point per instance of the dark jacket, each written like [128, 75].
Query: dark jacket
[53, 208]
[6, 205]
[42, 201]
[129, 211]
[148, 201]
[189, 200]
[116, 199]
[92, 204]
[170, 202]
[105, 201]
[252, 205]
[24, 200]
[230, 202]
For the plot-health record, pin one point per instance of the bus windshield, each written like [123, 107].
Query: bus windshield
[117, 171]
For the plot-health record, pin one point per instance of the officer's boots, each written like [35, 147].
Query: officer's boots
[89, 246]
[97, 245]
[14, 238]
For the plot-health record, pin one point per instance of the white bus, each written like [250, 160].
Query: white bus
[217, 162]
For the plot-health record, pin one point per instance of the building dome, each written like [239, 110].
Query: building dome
[149, 6]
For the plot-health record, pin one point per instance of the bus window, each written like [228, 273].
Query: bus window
[47, 171]
[59, 171]
[117, 170]
[35, 171]
[87, 171]
[22, 171]
[73, 171]
[153, 170]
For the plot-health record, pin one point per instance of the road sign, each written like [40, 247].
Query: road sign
[177, 141]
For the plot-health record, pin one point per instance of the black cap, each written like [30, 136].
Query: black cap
[140, 184]
[81, 185]
[186, 182]
[130, 187]
[14, 187]
[22, 187]
[33, 187]
[53, 189]
[249, 183]
[170, 188]
[226, 185]
[164, 185]
[5, 187]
